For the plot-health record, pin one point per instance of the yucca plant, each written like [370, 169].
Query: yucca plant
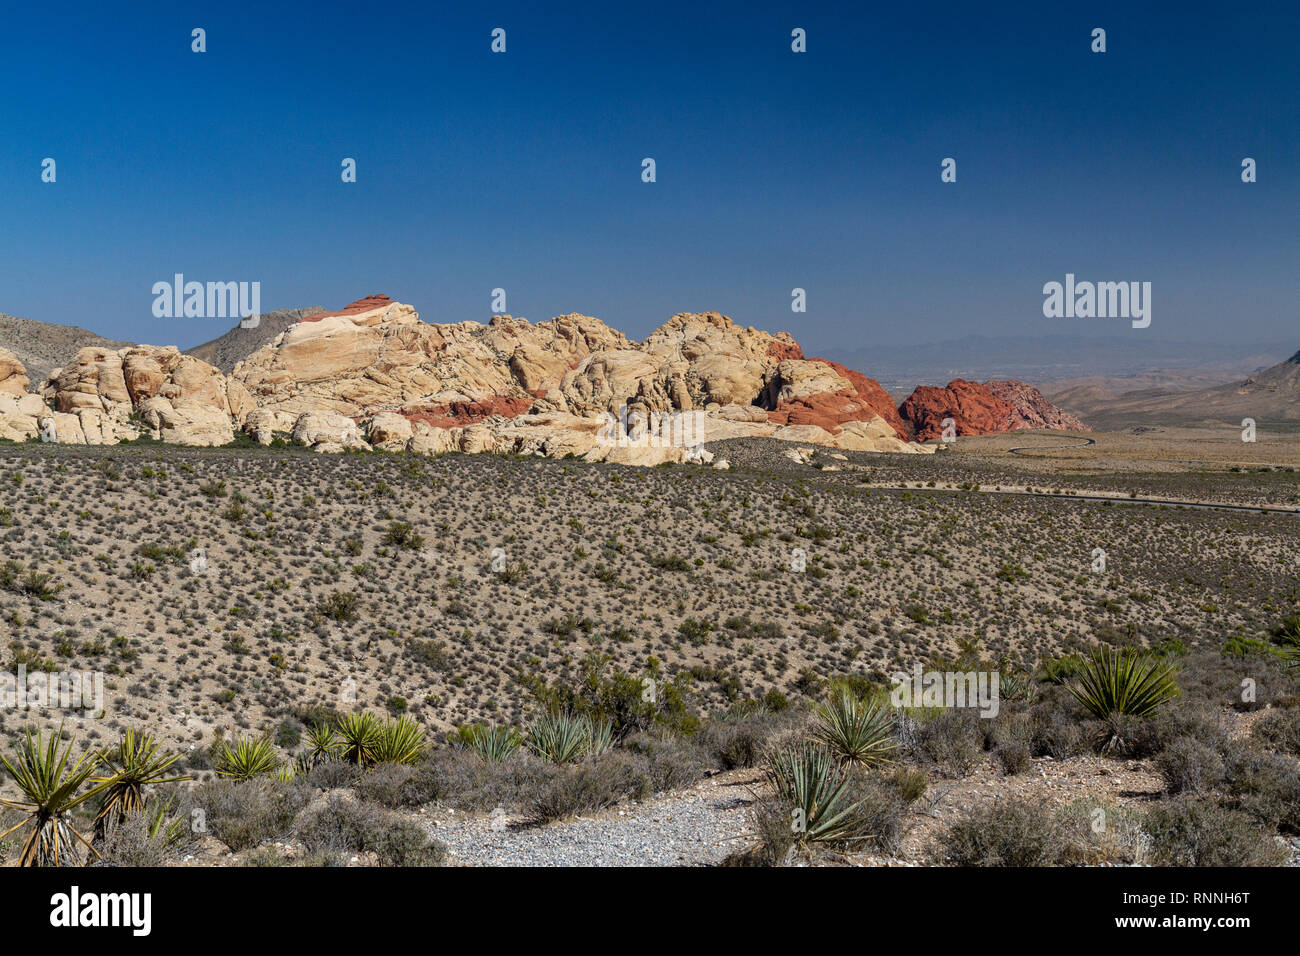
[856, 730]
[559, 736]
[600, 735]
[493, 744]
[1125, 682]
[358, 737]
[49, 784]
[254, 757]
[322, 744]
[814, 782]
[125, 771]
[399, 741]
[1015, 684]
[1287, 634]
[171, 831]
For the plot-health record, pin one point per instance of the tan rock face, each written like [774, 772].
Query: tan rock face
[376, 355]
[328, 432]
[179, 398]
[13, 377]
[373, 375]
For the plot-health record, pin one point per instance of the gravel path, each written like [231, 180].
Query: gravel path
[694, 827]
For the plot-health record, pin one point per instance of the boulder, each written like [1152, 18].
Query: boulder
[13, 377]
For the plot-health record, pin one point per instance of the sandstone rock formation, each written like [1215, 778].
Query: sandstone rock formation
[173, 397]
[977, 409]
[512, 386]
[1029, 409]
[372, 375]
[13, 377]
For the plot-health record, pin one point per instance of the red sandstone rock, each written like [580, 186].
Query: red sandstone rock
[974, 409]
[460, 414]
[828, 410]
[1030, 410]
[377, 301]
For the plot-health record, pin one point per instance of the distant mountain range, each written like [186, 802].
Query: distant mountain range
[1269, 395]
[1046, 360]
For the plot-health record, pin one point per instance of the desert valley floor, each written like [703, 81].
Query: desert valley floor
[232, 592]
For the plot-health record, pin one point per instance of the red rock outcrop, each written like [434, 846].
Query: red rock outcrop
[976, 409]
[1029, 409]
[973, 408]
[863, 399]
[460, 414]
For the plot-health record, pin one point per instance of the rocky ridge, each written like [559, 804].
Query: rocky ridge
[372, 375]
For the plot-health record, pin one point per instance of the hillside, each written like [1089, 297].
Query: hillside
[44, 346]
[1271, 395]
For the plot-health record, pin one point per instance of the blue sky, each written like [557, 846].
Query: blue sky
[775, 170]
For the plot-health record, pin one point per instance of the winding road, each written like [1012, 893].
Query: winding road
[1080, 444]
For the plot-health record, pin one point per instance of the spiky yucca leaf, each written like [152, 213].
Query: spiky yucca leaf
[1128, 682]
[856, 730]
[1287, 634]
[358, 737]
[254, 757]
[493, 744]
[47, 781]
[125, 772]
[399, 741]
[813, 781]
[322, 744]
[600, 735]
[559, 736]
[171, 831]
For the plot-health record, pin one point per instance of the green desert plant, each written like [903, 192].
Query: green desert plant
[814, 783]
[322, 744]
[249, 758]
[1287, 635]
[125, 771]
[493, 744]
[49, 785]
[358, 737]
[1125, 682]
[856, 730]
[560, 737]
[399, 741]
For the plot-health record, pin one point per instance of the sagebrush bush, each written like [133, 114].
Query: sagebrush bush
[1014, 757]
[585, 786]
[951, 742]
[1190, 766]
[332, 775]
[245, 814]
[1264, 785]
[668, 761]
[341, 825]
[388, 784]
[1007, 833]
[1280, 730]
[1191, 831]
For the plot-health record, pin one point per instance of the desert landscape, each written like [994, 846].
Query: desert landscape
[392, 593]
[453, 452]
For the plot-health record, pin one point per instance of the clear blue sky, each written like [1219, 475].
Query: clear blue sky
[775, 169]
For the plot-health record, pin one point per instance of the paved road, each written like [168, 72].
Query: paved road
[1080, 444]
